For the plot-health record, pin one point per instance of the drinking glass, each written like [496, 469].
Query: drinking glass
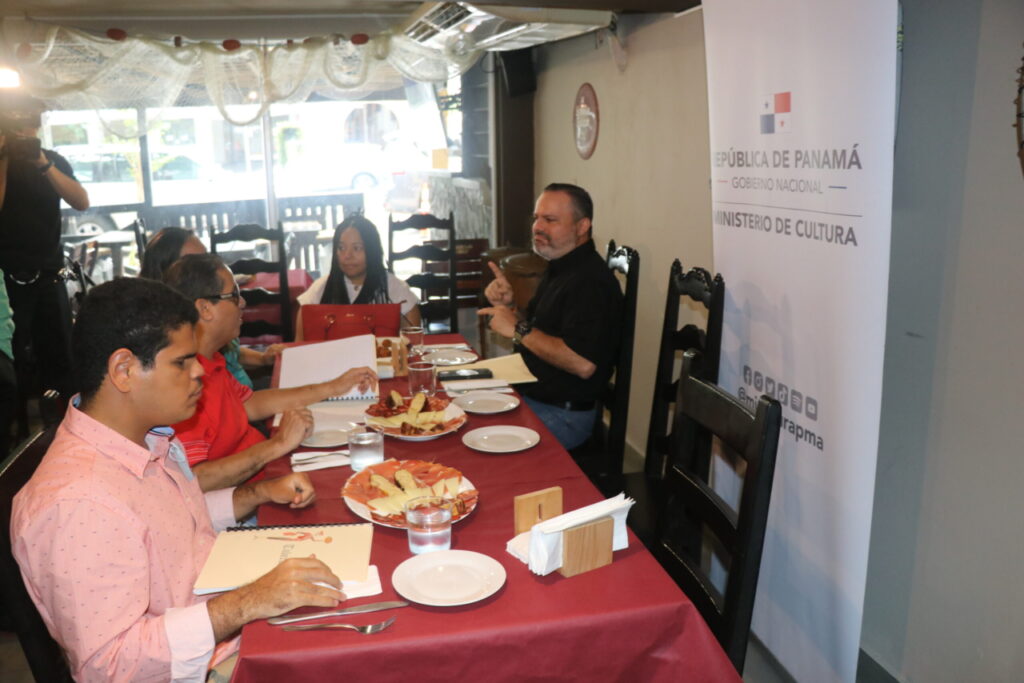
[429, 521]
[422, 378]
[414, 335]
[365, 448]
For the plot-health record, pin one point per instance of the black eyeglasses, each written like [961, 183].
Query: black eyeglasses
[235, 296]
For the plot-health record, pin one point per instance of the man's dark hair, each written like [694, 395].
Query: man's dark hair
[129, 313]
[163, 249]
[195, 276]
[582, 204]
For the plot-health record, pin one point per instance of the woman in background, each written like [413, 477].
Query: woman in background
[358, 274]
[167, 246]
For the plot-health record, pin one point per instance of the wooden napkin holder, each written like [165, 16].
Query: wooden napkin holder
[400, 359]
[584, 547]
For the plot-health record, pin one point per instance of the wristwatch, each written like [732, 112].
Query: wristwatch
[522, 329]
[46, 167]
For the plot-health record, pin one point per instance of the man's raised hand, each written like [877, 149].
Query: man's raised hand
[499, 291]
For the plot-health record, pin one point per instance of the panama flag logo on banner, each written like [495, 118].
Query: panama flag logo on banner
[775, 111]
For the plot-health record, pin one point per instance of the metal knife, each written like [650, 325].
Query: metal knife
[358, 609]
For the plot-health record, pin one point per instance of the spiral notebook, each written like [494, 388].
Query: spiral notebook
[240, 555]
[312, 363]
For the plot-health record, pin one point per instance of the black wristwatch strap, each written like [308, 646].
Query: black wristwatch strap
[522, 329]
[47, 167]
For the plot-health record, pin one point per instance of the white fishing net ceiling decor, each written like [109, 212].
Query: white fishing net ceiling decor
[75, 70]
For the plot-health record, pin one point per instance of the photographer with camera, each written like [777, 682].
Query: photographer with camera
[32, 183]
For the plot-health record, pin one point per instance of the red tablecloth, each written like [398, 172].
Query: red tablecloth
[624, 622]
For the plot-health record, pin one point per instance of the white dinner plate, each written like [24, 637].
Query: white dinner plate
[450, 356]
[501, 439]
[446, 578]
[486, 402]
[363, 511]
[326, 438]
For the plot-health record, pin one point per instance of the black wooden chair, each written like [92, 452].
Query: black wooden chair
[698, 286]
[249, 232]
[45, 657]
[693, 517]
[602, 454]
[439, 304]
[138, 227]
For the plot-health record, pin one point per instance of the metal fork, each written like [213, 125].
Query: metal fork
[365, 630]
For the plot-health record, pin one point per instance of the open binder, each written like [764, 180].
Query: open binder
[312, 363]
[240, 555]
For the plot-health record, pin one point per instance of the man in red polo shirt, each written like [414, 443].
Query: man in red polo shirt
[222, 447]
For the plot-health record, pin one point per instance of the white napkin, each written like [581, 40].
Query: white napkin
[469, 384]
[318, 460]
[541, 547]
[361, 589]
[438, 347]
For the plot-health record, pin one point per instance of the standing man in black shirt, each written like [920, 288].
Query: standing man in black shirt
[32, 183]
[568, 334]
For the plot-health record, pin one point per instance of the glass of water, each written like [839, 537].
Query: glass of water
[365, 448]
[422, 378]
[429, 521]
[414, 335]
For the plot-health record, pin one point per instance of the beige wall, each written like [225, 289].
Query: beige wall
[649, 174]
[944, 599]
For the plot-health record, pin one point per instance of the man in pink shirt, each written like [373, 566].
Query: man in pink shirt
[112, 530]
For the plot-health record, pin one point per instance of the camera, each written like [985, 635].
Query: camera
[18, 112]
[19, 147]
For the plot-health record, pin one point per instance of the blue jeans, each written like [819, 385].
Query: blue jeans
[570, 427]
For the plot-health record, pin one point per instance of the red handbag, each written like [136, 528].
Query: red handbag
[323, 322]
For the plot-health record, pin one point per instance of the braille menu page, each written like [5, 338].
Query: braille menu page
[312, 363]
[240, 555]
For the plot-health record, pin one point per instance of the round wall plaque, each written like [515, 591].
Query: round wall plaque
[585, 120]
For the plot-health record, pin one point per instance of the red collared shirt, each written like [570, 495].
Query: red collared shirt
[220, 426]
[110, 538]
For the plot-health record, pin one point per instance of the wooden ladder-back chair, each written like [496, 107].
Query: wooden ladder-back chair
[249, 232]
[138, 227]
[698, 286]
[469, 277]
[601, 456]
[438, 277]
[45, 657]
[690, 512]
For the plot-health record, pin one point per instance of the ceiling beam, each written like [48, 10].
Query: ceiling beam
[613, 5]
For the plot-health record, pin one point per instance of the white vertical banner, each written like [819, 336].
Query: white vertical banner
[802, 110]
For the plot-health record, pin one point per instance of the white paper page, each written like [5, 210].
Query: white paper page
[312, 363]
